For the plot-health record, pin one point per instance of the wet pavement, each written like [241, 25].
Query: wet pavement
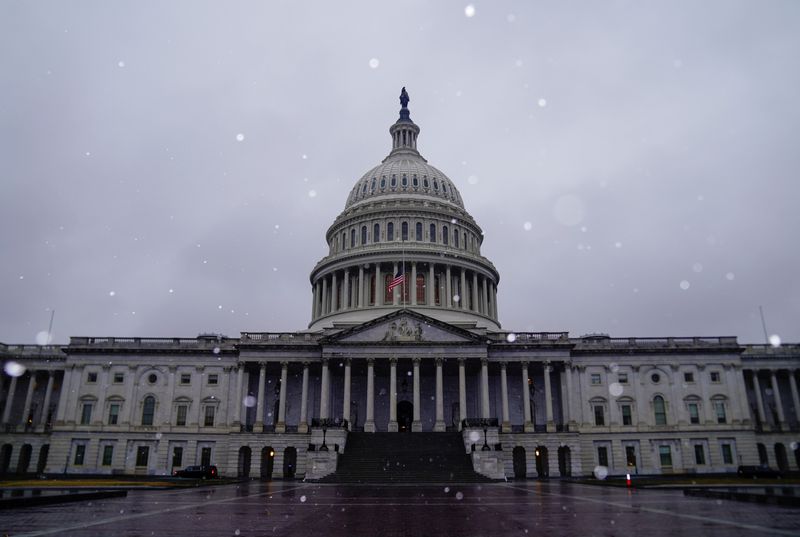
[300, 509]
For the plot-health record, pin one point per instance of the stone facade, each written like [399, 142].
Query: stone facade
[427, 354]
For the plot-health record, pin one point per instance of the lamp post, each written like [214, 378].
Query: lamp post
[324, 446]
[485, 443]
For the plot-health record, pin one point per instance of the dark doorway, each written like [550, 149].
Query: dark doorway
[267, 462]
[520, 472]
[542, 465]
[243, 469]
[405, 416]
[564, 461]
[41, 464]
[5, 458]
[289, 462]
[780, 457]
[762, 454]
[24, 459]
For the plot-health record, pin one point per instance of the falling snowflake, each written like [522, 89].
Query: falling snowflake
[374, 63]
[469, 11]
[542, 102]
[527, 226]
[684, 284]
[240, 137]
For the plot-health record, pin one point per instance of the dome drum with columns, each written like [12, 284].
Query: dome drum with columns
[404, 216]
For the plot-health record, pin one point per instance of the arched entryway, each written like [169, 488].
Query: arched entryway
[267, 462]
[762, 454]
[41, 464]
[24, 459]
[542, 470]
[5, 458]
[564, 461]
[243, 468]
[405, 416]
[520, 470]
[780, 457]
[289, 462]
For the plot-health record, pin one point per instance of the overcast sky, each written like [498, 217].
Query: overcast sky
[171, 168]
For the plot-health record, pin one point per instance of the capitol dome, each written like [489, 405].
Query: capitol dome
[404, 240]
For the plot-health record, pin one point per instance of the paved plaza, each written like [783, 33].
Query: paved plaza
[302, 509]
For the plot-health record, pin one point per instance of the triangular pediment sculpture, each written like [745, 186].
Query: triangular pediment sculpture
[404, 326]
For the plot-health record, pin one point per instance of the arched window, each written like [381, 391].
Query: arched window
[390, 231]
[383, 182]
[352, 238]
[421, 289]
[444, 187]
[372, 187]
[660, 410]
[433, 233]
[148, 410]
[415, 181]
[405, 181]
[364, 188]
[436, 185]
[394, 181]
[376, 233]
[419, 231]
[455, 238]
[344, 240]
[425, 182]
[445, 236]
[404, 231]
[363, 235]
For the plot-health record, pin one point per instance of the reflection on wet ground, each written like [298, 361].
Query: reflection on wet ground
[294, 508]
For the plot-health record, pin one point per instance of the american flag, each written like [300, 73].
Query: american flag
[398, 280]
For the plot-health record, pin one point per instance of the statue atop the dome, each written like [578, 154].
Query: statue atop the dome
[404, 98]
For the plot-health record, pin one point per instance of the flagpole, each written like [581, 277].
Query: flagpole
[405, 278]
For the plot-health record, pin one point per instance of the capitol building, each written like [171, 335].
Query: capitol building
[404, 342]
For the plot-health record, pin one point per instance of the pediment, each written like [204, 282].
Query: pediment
[404, 327]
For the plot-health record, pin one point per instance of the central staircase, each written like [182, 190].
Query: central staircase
[404, 458]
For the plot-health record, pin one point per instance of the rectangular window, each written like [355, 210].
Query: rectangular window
[86, 414]
[177, 456]
[182, 411]
[622, 378]
[208, 421]
[666, 455]
[715, 376]
[205, 456]
[699, 454]
[599, 416]
[91, 377]
[630, 455]
[720, 408]
[694, 413]
[142, 454]
[727, 454]
[213, 379]
[627, 419]
[186, 378]
[119, 378]
[80, 452]
[688, 377]
[596, 379]
[602, 456]
[113, 414]
[108, 455]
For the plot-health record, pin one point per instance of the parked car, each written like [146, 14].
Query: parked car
[197, 472]
[761, 470]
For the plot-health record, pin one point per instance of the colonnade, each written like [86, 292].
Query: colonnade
[26, 419]
[361, 286]
[772, 384]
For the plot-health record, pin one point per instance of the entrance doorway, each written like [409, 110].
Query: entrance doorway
[25, 459]
[520, 472]
[243, 470]
[289, 462]
[405, 416]
[542, 470]
[267, 462]
[564, 461]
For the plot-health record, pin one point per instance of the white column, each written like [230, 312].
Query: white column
[776, 393]
[346, 397]
[313, 302]
[262, 379]
[430, 286]
[9, 400]
[485, 389]
[439, 425]
[324, 391]
[378, 286]
[462, 295]
[448, 287]
[504, 392]
[239, 400]
[795, 398]
[416, 425]
[462, 393]
[526, 402]
[280, 426]
[62, 396]
[759, 401]
[325, 301]
[369, 423]
[335, 306]
[412, 289]
[361, 286]
[548, 399]
[345, 291]
[495, 315]
[475, 305]
[569, 418]
[392, 395]
[48, 394]
[28, 398]
[485, 291]
[303, 426]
